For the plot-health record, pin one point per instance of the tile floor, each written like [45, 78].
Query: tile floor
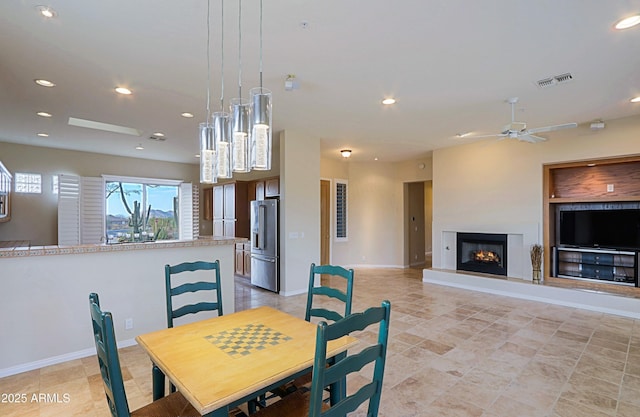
[452, 352]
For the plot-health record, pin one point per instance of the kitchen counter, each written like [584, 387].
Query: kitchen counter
[19, 248]
[44, 302]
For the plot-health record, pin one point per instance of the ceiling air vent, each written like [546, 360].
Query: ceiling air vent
[157, 138]
[551, 81]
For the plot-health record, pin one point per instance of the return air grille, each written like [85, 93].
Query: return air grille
[555, 80]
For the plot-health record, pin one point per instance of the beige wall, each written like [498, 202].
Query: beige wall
[34, 217]
[299, 210]
[376, 209]
[493, 182]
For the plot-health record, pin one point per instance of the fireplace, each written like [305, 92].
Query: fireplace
[482, 252]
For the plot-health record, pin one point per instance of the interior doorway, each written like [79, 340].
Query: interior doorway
[325, 222]
[418, 224]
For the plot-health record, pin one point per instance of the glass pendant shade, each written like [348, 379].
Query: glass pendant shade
[261, 129]
[240, 118]
[221, 133]
[208, 171]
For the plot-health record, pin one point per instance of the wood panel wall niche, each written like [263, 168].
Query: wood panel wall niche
[607, 180]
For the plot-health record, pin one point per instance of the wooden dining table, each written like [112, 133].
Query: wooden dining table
[222, 362]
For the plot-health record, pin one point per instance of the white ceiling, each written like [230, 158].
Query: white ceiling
[451, 64]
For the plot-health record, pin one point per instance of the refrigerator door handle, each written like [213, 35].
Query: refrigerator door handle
[263, 258]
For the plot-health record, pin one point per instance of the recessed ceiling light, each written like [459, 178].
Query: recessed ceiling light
[591, 165]
[187, 115]
[635, 99]
[159, 134]
[628, 22]
[375, 159]
[139, 147]
[44, 114]
[462, 135]
[43, 135]
[44, 83]
[389, 100]
[123, 90]
[197, 155]
[46, 11]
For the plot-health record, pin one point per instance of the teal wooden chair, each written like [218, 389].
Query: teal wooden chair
[310, 403]
[215, 303]
[170, 406]
[314, 293]
[173, 291]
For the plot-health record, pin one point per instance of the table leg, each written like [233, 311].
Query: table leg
[158, 378]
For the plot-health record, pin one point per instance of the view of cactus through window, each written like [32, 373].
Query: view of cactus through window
[138, 212]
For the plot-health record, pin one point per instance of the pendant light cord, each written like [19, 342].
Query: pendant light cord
[261, 45]
[222, 56]
[240, 49]
[208, 59]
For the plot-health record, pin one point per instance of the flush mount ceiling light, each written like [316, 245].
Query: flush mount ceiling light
[389, 100]
[187, 115]
[46, 11]
[346, 153]
[123, 90]
[628, 22]
[635, 99]
[44, 114]
[44, 83]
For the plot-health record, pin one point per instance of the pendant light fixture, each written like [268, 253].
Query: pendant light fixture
[208, 170]
[221, 119]
[240, 114]
[261, 120]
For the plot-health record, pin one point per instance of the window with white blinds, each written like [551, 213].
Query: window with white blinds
[341, 210]
[84, 211]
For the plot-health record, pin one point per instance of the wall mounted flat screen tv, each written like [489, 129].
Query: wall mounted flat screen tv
[611, 229]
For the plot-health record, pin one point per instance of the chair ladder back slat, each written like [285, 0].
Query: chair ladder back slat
[325, 373]
[192, 287]
[326, 314]
[344, 296]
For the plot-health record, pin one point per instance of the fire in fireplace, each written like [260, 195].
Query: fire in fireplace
[482, 252]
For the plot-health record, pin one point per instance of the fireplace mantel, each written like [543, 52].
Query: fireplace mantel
[520, 237]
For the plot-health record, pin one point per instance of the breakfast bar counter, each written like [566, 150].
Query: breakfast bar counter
[44, 313]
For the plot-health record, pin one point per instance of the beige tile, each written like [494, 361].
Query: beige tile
[568, 408]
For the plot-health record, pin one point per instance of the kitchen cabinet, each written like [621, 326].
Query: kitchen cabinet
[207, 203]
[231, 210]
[5, 193]
[243, 260]
[272, 187]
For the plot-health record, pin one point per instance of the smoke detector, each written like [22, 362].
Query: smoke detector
[291, 83]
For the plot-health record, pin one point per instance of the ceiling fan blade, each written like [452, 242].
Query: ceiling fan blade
[484, 136]
[552, 128]
[527, 137]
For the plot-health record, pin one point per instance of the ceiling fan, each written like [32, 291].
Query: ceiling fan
[518, 130]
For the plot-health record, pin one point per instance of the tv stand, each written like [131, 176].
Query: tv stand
[608, 265]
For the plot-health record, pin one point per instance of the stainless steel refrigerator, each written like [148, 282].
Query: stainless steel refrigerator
[265, 264]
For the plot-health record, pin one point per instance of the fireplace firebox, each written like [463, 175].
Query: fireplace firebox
[482, 252]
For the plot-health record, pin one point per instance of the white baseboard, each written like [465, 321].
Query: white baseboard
[18, 369]
[583, 299]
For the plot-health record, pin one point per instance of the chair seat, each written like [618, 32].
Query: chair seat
[293, 405]
[170, 406]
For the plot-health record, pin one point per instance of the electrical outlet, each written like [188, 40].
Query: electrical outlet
[609, 188]
[128, 324]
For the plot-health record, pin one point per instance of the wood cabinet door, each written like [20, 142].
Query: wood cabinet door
[207, 203]
[260, 190]
[272, 187]
[218, 227]
[229, 201]
[239, 262]
[247, 264]
[218, 202]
